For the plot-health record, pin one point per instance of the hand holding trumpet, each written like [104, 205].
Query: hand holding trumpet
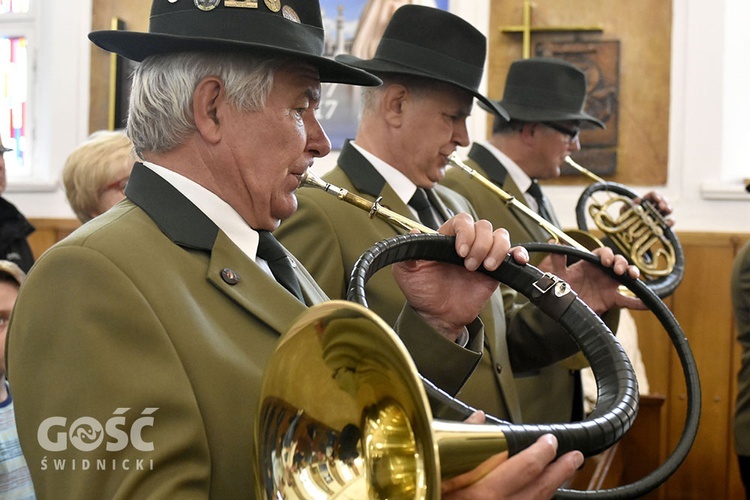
[532, 473]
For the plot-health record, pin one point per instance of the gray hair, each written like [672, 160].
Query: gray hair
[161, 115]
[418, 87]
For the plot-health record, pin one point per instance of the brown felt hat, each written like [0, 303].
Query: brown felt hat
[545, 89]
[431, 43]
[284, 27]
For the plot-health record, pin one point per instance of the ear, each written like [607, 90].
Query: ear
[208, 96]
[528, 132]
[395, 98]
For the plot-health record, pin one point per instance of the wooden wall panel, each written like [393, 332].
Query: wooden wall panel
[48, 232]
[135, 14]
[643, 28]
[702, 306]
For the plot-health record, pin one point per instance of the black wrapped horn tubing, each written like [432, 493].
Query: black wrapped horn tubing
[689, 370]
[617, 401]
[662, 287]
[615, 377]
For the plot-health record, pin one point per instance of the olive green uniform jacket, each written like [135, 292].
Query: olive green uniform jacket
[143, 337]
[553, 393]
[329, 235]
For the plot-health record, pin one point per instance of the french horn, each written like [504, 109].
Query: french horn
[344, 413]
[638, 231]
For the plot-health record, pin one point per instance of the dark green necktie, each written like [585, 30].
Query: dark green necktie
[424, 208]
[536, 192]
[270, 250]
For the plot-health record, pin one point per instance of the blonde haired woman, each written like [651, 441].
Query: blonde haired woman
[96, 172]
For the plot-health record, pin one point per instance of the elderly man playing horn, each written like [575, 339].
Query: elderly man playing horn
[431, 63]
[545, 99]
[138, 344]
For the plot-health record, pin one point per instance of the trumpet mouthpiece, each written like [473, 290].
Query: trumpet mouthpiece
[309, 179]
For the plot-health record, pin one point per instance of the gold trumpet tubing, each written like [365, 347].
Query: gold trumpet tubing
[646, 211]
[648, 215]
[375, 209]
[462, 447]
[635, 236]
[653, 261]
[588, 173]
[511, 200]
[660, 261]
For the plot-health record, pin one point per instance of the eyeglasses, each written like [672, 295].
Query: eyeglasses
[572, 133]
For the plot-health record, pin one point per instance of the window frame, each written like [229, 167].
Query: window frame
[26, 25]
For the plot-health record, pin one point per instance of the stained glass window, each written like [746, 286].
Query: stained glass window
[15, 23]
[13, 100]
[14, 6]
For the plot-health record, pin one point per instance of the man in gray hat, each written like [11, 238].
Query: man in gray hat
[138, 344]
[431, 63]
[545, 99]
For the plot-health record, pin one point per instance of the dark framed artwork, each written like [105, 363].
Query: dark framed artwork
[600, 60]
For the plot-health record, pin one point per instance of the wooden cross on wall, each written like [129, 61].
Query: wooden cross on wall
[526, 29]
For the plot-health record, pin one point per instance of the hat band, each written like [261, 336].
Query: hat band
[539, 98]
[283, 33]
[443, 67]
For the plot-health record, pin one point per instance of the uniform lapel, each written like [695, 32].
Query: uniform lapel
[531, 225]
[360, 172]
[445, 212]
[249, 286]
[488, 165]
[366, 179]
[229, 269]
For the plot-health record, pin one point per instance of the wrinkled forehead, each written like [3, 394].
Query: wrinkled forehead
[302, 74]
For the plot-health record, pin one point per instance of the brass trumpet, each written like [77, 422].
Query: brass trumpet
[557, 234]
[638, 231]
[375, 209]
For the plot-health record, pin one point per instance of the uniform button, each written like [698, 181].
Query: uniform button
[499, 368]
[229, 276]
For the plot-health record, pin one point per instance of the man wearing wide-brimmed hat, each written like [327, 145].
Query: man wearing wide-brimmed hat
[138, 344]
[431, 63]
[546, 100]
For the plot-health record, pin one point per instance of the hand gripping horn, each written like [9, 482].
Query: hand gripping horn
[640, 233]
[345, 414]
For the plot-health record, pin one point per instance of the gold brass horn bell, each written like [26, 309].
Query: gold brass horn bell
[344, 414]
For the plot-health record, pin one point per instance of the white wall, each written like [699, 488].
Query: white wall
[62, 108]
[709, 131]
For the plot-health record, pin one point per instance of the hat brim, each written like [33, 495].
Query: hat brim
[529, 114]
[138, 46]
[380, 66]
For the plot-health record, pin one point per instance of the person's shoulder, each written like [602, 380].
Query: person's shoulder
[455, 177]
[451, 196]
[338, 177]
[121, 232]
